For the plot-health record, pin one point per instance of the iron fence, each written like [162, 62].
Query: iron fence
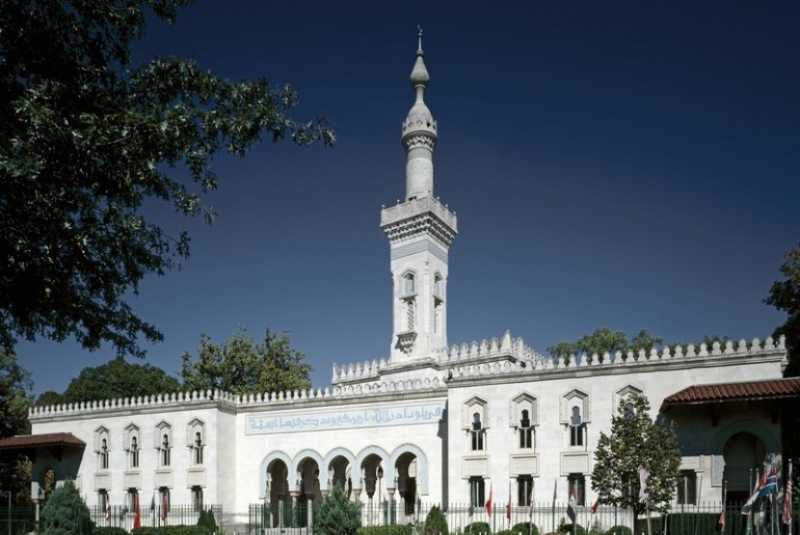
[121, 516]
[697, 519]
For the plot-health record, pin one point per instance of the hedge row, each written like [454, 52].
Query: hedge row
[385, 530]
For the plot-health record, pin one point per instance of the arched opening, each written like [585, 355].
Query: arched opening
[277, 488]
[308, 476]
[372, 474]
[406, 468]
[744, 453]
[339, 475]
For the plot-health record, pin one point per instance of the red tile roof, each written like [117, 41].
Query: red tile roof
[23, 442]
[747, 391]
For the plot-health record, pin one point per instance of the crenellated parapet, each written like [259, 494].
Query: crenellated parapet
[233, 402]
[666, 355]
[506, 348]
[187, 399]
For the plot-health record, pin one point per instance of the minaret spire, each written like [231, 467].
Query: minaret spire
[419, 133]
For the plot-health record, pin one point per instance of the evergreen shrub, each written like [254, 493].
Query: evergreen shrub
[337, 515]
[385, 530]
[65, 513]
[477, 528]
[435, 522]
[525, 528]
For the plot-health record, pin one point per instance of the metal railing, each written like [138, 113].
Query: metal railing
[121, 516]
[695, 519]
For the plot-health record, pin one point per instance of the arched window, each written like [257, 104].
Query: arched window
[477, 432]
[525, 431]
[576, 428]
[409, 289]
[101, 448]
[163, 444]
[104, 454]
[132, 446]
[198, 448]
[134, 453]
[165, 449]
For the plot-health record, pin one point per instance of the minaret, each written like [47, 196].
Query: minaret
[420, 231]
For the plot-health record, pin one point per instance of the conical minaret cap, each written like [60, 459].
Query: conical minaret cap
[419, 118]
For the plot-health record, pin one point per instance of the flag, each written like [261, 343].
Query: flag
[768, 482]
[721, 521]
[571, 512]
[137, 520]
[488, 504]
[555, 488]
[595, 504]
[108, 510]
[788, 495]
[164, 504]
[153, 502]
[508, 504]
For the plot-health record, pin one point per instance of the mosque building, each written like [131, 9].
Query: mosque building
[431, 422]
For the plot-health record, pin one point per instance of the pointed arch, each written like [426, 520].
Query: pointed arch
[264, 466]
[422, 465]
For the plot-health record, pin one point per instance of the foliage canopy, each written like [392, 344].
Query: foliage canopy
[240, 365]
[636, 441]
[86, 139]
[785, 295]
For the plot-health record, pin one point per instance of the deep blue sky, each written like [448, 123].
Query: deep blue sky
[611, 165]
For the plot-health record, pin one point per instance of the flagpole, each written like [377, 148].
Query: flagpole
[788, 498]
[555, 489]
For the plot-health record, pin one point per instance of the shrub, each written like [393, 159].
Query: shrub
[477, 528]
[385, 530]
[337, 515]
[64, 513]
[107, 530]
[435, 522]
[504, 532]
[525, 528]
[566, 529]
[172, 530]
[619, 530]
[207, 521]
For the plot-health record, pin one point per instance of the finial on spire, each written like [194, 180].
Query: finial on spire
[419, 40]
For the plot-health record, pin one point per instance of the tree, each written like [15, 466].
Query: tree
[118, 378]
[337, 515]
[785, 295]
[602, 340]
[65, 513]
[86, 139]
[240, 365]
[49, 397]
[636, 441]
[15, 399]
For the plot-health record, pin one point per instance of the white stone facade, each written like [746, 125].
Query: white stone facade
[412, 416]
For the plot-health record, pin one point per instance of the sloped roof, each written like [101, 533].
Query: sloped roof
[43, 440]
[745, 391]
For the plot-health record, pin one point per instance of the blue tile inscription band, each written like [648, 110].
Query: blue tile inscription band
[263, 424]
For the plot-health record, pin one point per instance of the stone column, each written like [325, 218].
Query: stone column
[310, 515]
[295, 494]
[391, 515]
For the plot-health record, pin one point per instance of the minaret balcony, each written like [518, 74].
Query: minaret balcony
[426, 214]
